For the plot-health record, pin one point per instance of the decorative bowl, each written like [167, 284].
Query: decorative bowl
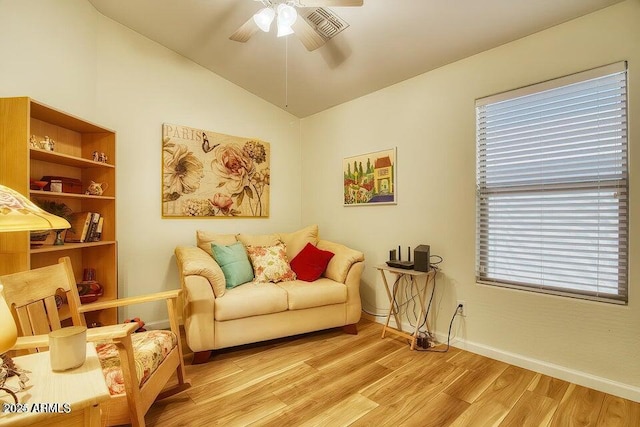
[86, 299]
[89, 291]
[39, 235]
[38, 185]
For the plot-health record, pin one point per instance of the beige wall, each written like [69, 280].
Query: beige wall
[48, 51]
[431, 121]
[66, 54]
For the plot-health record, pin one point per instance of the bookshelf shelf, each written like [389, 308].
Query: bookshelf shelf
[70, 246]
[51, 194]
[75, 142]
[64, 159]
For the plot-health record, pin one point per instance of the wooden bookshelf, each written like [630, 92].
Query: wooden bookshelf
[72, 157]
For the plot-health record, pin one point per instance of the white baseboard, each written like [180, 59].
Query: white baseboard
[605, 385]
[585, 379]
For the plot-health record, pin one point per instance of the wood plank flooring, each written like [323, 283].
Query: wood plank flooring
[329, 378]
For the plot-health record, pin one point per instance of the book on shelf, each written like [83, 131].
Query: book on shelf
[79, 227]
[93, 226]
[99, 229]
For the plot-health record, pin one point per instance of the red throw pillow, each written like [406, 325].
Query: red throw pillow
[310, 263]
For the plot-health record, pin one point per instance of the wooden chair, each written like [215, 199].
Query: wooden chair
[31, 296]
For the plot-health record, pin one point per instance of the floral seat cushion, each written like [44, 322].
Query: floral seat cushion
[149, 349]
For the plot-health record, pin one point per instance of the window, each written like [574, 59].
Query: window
[552, 207]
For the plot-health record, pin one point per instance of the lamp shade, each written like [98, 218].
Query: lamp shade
[17, 213]
[8, 330]
[287, 16]
[264, 18]
[284, 30]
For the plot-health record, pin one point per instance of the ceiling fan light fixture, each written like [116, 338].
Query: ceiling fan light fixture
[264, 18]
[287, 16]
[284, 30]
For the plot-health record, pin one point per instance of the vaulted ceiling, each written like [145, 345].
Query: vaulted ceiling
[387, 41]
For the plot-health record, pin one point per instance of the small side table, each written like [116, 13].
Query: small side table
[69, 398]
[409, 278]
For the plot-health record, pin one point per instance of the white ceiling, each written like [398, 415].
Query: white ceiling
[388, 41]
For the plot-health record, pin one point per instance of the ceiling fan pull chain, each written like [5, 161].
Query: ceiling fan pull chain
[286, 72]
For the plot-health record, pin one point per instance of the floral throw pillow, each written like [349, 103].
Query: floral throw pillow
[270, 263]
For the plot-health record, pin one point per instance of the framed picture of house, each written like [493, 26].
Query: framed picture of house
[370, 179]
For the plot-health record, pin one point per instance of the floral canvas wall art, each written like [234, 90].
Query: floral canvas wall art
[207, 174]
[370, 178]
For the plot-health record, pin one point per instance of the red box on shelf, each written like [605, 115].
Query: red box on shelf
[69, 185]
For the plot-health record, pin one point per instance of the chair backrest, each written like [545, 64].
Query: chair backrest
[31, 297]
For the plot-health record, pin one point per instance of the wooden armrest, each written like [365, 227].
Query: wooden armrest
[101, 333]
[110, 332]
[101, 305]
[33, 341]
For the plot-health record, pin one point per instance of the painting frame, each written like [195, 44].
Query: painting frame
[373, 180]
[206, 174]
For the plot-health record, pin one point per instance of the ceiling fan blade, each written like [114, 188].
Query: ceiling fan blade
[330, 3]
[307, 35]
[245, 32]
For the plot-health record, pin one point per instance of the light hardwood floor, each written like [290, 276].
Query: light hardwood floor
[330, 378]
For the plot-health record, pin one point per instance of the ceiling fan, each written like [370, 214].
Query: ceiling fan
[307, 19]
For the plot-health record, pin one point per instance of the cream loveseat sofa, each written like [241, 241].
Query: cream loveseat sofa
[216, 317]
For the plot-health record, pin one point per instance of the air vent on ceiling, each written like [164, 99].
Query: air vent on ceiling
[325, 22]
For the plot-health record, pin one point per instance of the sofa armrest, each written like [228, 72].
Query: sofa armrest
[202, 282]
[343, 260]
[346, 267]
[354, 304]
[193, 261]
[198, 313]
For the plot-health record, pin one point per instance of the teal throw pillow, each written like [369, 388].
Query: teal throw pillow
[234, 262]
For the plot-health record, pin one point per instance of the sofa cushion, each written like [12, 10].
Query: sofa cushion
[310, 263]
[204, 239]
[259, 239]
[341, 262]
[323, 291]
[252, 299]
[234, 262]
[297, 240]
[270, 263]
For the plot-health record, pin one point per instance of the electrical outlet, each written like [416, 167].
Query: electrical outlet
[462, 308]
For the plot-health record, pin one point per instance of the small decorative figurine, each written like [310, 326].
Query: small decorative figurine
[96, 188]
[103, 158]
[33, 143]
[96, 156]
[47, 144]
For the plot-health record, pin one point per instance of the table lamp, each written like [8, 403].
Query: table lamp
[18, 213]
[8, 337]
[8, 331]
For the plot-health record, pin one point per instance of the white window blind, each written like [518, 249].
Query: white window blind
[552, 199]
